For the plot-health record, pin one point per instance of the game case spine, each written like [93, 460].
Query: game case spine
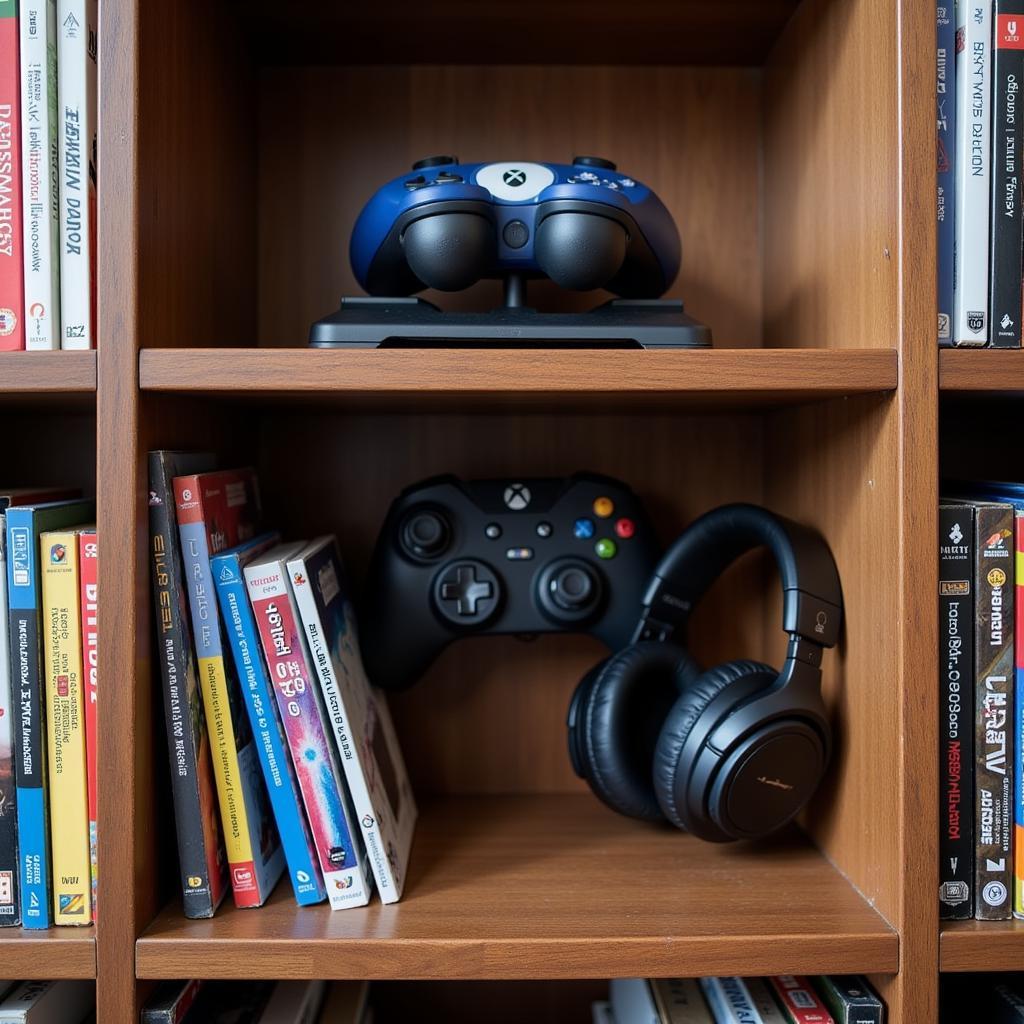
[255, 866]
[1018, 716]
[680, 1001]
[65, 720]
[632, 999]
[800, 1003]
[12, 265]
[850, 999]
[200, 850]
[29, 744]
[171, 1002]
[993, 710]
[1007, 74]
[364, 735]
[730, 1001]
[88, 556]
[10, 907]
[76, 94]
[275, 758]
[945, 114]
[956, 712]
[321, 782]
[973, 172]
[48, 1002]
[40, 173]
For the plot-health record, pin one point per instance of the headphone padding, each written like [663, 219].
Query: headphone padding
[620, 719]
[684, 715]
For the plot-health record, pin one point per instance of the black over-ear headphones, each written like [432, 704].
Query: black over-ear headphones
[733, 752]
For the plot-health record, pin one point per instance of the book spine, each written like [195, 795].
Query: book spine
[29, 742]
[40, 201]
[730, 1001]
[945, 113]
[387, 885]
[993, 710]
[800, 1003]
[65, 703]
[973, 172]
[1018, 715]
[318, 775]
[849, 1000]
[88, 555]
[285, 799]
[956, 731]
[12, 266]
[216, 701]
[1007, 75]
[76, 94]
[10, 908]
[198, 846]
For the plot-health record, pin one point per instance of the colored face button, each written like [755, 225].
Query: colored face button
[625, 528]
[605, 548]
[583, 529]
[603, 507]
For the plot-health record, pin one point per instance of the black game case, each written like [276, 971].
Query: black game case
[956, 711]
[171, 1001]
[993, 710]
[850, 999]
[1007, 139]
[202, 858]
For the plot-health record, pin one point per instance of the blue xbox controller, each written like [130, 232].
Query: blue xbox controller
[448, 225]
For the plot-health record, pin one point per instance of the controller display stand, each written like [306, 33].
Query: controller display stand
[416, 323]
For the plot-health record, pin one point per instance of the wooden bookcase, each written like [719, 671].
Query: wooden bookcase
[794, 143]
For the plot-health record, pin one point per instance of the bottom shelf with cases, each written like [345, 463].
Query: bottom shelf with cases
[551, 887]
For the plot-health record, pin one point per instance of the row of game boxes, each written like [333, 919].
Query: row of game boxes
[48, 685]
[283, 758]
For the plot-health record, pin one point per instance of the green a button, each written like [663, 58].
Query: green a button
[606, 548]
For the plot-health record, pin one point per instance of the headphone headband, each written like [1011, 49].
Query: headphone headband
[812, 596]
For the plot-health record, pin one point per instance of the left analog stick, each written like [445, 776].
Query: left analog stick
[450, 251]
[425, 534]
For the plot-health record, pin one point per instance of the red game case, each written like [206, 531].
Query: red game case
[800, 1002]
[88, 565]
[12, 270]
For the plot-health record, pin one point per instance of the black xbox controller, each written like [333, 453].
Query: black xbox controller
[456, 558]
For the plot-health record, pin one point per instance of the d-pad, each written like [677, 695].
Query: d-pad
[466, 593]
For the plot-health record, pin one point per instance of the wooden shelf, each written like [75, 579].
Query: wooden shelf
[573, 378]
[981, 946]
[985, 370]
[57, 953]
[38, 373]
[551, 887]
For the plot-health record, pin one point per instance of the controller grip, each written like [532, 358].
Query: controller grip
[580, 251]
[398, 644]
[450, 251]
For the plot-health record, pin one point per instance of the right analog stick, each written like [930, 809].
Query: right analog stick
[569, 590]
[580, 251]
[450, 251]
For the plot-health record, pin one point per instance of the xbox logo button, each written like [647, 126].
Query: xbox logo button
[514, 177]
[517, 497]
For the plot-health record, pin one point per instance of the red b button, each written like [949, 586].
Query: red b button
[625, 528]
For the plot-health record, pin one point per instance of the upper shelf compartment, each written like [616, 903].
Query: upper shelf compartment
[576, 378]
[737, 32]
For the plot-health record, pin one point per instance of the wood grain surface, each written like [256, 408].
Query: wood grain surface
[981, 946]
[28, 955]
[551, 887]
[984, 371]
[46, 373]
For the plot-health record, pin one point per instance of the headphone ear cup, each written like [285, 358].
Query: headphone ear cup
[619, 708]
[680, 721]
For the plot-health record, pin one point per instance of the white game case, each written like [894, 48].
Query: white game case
[973, 172]
[37, 36]
[294, 1002]
[76, 96]
[47, 1002]
[734, 1001]
[359, 715]
[632, 1001]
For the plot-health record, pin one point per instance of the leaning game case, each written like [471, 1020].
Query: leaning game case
[10, 909]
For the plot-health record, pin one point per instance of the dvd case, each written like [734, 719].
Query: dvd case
[25, 523]
[39, 162]
[278, 772]
[363, 732]
[945, 116]
[65, 733]
[956, 711]
[740, 1001]
[850, 999]
[1007, 75]
[10, 908]
[12, 266]
[215, 511]
[47, 1002]
[171, 1001]
[88, 558]
[680, 1001]
[973, 172]
[202, 861]
[321, 779]
[800, 1003]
